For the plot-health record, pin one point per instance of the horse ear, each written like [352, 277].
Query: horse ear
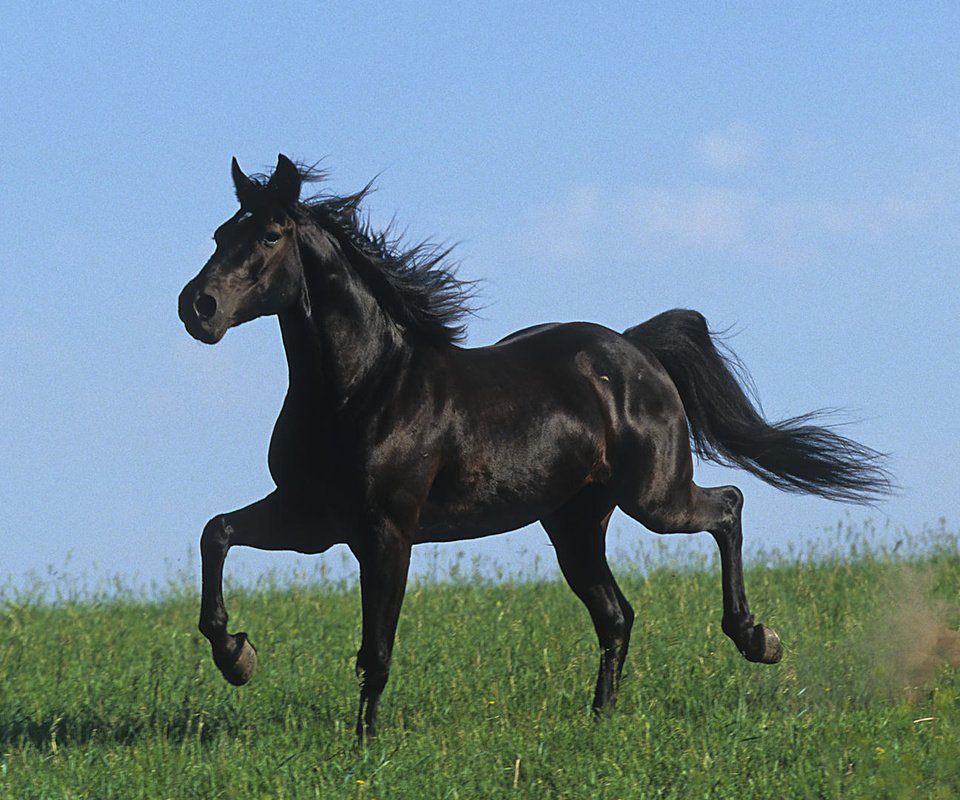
[285, 181]
[245, 188]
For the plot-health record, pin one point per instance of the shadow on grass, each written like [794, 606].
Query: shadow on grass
[69, 728]
[59, 728]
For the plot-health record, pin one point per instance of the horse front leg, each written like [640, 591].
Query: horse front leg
[268, 524]
[384, 563]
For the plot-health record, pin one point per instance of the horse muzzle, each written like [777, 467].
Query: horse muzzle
[201, 315]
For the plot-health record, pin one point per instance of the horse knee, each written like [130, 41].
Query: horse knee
[215, 537]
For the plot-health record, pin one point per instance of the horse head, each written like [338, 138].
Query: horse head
[256, 269]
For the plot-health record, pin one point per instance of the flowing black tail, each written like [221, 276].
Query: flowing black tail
[726, 427]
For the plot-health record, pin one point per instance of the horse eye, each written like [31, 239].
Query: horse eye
[270, 238]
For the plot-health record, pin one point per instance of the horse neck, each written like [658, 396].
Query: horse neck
[346, 343]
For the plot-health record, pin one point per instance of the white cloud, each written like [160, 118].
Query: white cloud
[588, 220]
[565, 231]
[699, 217]
[777, 227]
[708, 218]
[728, 150]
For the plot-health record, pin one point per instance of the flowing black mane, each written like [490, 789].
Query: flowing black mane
[415, 284]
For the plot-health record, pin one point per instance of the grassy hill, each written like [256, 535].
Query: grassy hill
[115, 698]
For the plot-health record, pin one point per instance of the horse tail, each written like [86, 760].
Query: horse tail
[726, 426]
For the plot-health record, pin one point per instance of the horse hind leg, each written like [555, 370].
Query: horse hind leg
[578, 533]
[717, 510]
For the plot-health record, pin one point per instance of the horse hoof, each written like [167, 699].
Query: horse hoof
[239, 663]
[765, 646]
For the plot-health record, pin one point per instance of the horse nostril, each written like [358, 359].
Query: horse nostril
[205, 305]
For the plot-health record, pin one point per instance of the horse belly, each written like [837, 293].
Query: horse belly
[483, 496]
[452, 527]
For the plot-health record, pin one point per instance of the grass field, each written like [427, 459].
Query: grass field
[115, 698]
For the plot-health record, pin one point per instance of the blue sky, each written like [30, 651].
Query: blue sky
[793, 171]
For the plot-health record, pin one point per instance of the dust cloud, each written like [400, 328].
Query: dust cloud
[912, 635]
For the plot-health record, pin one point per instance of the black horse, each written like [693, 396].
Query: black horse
[391, 434]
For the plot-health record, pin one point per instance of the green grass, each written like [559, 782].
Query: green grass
[113, 698]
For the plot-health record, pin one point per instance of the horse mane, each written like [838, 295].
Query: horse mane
[415, 284]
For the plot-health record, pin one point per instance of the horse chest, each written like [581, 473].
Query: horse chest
[305, 452]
